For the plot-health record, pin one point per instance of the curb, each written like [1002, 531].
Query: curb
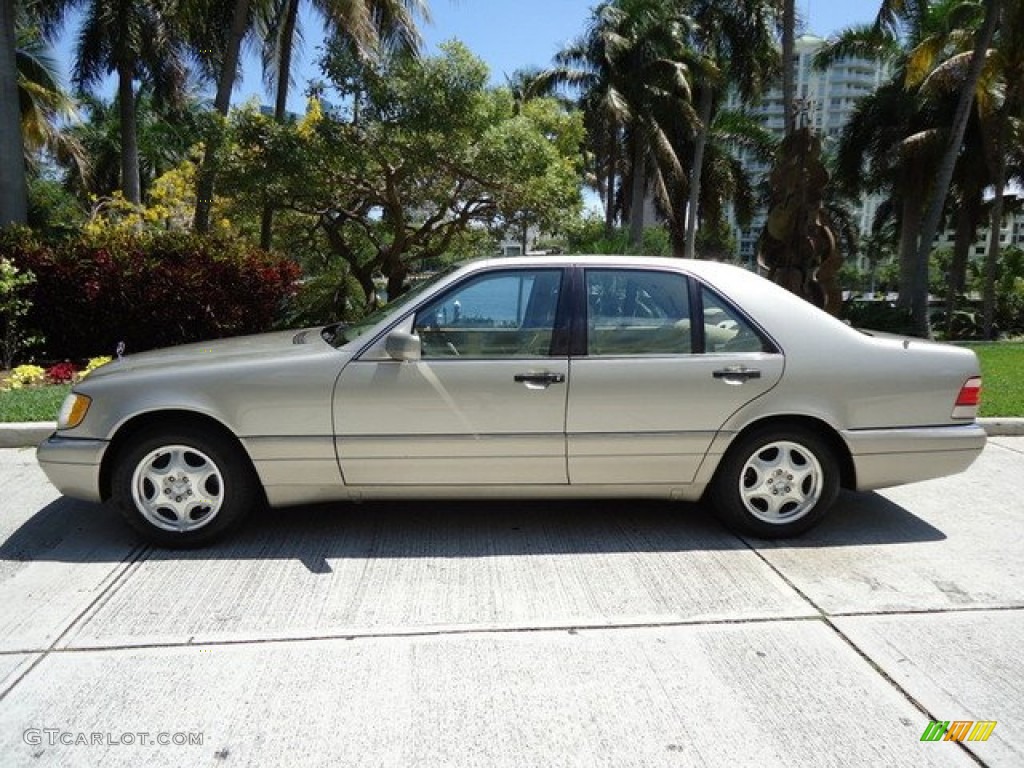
[25, 434]
[32, 433]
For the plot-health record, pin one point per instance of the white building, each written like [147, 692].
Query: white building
[826, 98]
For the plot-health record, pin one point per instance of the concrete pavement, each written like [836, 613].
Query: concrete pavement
[518, 634]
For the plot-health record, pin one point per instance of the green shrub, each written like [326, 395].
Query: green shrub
[878, 316]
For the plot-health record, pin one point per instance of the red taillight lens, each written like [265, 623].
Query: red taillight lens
[970, 393]
[967, 401]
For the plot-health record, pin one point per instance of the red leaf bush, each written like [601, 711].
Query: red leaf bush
[61, 373]
[148, 289]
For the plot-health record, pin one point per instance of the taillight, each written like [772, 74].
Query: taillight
[967, 401]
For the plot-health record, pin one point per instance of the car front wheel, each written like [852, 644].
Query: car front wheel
[776, 482]
[183, 488]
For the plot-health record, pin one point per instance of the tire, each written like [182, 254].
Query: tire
[776, 482]
[183, 487]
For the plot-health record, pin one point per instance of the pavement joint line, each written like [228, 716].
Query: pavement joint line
[135, 555]
[421, 633]
[1006, 447]
[925, 611]
[826, 618]
[456, 631]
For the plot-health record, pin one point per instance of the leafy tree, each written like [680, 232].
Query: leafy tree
[369, 27]
[422, 156]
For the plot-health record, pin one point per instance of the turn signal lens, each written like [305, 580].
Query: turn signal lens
[967, 401]
[73, 411]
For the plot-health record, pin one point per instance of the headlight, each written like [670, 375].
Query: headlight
[73, 411]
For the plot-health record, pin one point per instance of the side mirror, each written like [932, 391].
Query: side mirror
[404, 347]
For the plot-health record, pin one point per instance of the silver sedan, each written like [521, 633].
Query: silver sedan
[530, 377]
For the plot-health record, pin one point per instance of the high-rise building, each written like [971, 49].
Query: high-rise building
[826, 99]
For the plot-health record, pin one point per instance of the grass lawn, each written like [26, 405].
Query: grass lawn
[1002, 378]
[1002, 368]
[33, 403]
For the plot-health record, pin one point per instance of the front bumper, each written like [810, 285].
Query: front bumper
[73, 465]
[887, 457]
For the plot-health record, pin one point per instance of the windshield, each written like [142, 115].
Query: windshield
[338, 335]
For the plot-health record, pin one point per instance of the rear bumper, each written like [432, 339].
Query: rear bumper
[886, 457]
[73, 465]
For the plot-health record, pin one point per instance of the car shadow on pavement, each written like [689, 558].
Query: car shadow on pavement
[73, 531]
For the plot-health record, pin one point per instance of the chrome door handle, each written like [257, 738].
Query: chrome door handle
[738, 373]
[539, 378]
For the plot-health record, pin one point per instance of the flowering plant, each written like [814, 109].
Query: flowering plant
[25, 375]
[94, 363]
[61, 373]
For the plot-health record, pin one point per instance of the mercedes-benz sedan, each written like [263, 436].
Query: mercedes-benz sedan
[523, 378]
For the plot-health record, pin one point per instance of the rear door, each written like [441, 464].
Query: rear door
[664, 364]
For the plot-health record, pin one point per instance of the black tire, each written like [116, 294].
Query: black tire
[183, 487]
[776, 482]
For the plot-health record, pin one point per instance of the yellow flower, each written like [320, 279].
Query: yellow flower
[94, 363]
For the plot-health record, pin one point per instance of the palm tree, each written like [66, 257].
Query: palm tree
[930, 227]
[912, 35]
[736, 42]
[44, 103]
[166, 135]
[727, 180]
[136, 40]
[1008, 62]
[13, 187]
[370, 26]
[220, 56]
[632, 68]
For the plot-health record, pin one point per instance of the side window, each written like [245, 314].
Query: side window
[725, 330]
[499, 314]
[637, 312]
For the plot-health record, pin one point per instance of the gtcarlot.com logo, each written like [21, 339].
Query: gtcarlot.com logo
[51, 737]
[958, 730]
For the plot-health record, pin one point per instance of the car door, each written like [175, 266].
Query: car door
[485, 404]
[666, 363]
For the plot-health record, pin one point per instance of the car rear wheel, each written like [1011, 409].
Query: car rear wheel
[183, 488]
[776, 482]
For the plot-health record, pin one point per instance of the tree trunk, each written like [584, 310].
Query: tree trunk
[700, 142]
[396, 280]
[284, 67]
[919, 298]
[636, 198]
[13, 188]
[788, 51]
[221, 103]
[613, 161]
[995, 231]
[966, 229]
[910, 218]
[131, 183]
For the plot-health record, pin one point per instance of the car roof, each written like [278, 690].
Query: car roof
[693, 266]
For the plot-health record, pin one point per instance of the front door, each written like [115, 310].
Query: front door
[486, 403]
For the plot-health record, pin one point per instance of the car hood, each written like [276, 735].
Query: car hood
[264, 346]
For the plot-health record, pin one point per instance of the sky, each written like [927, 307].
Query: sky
[507, 34]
